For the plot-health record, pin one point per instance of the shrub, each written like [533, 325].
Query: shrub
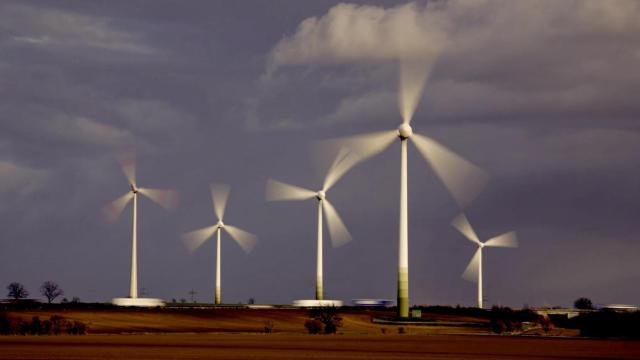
[608, 323]
[329, 319]
[268, 326]
[583, 303]
[504, 319]
[5, 325]
[313, 326]
[76, 328]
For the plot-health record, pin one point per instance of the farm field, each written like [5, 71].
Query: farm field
[299, 346]
[238, 333]
[168, 320]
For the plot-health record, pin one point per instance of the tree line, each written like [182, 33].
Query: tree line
[49, 290]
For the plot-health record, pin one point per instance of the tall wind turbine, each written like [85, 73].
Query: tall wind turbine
[463, 179]
[193, 240]
[278, 191]
[168, 199]
[474, 269]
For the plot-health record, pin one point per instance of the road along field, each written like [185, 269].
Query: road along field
[299, 346]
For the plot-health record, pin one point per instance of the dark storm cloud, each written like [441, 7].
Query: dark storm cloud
[540, 94]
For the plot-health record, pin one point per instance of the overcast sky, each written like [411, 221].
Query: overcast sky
[543, 95]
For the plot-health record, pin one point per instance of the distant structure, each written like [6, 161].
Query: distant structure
[278, 191]
[372, 302]
[474, 269]
[317, 303]
[620, 307]
[165, 198]
[193, 240]
[463, 179]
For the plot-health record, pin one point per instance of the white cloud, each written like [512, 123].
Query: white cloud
[349, 33]
[20, 179]
[57, 28]
[574, 59]
[82, 130]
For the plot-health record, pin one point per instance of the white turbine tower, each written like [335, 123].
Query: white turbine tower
[474, 269]
[278, 191]
[165, 198]
[463, 179]
[193, 240]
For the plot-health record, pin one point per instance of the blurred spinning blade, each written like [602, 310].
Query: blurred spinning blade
[505, 240]
[219, 195]
[194, 239]
[113, 209]
[462, 224]
[279, 191]
[168, 199]
[338, 231]
[127, 160]
[413, 76]
[463, 179]
[471, 272]
[364, 146]
[344, 161]
[245, 239]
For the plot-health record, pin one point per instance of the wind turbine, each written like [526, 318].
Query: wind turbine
[193, 239]
[278, 191]
[168, 199]
[463, 179]
[474, 269]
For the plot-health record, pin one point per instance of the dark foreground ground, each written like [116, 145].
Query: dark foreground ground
[299, 346]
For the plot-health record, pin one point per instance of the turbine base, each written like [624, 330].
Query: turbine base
[317, 303]
[138, 302]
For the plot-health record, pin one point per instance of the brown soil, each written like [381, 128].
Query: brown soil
[299, 346]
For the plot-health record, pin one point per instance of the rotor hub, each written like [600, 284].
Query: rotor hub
[220, 224]
[405, 131]
[321, 195]
[134, 189]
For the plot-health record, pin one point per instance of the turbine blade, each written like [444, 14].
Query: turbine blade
[168, 199]
[339, 233]
[344, 161]
[246, 240]
[505, 240]
[194, 239]
[127, 160]
[462, 224]
[471, 272]
[113, 209]
[364, 146]
[279, 191]
[463, 179]
[219, 195]
[413, 76]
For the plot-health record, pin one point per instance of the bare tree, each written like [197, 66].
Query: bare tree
[17, 291]
[50, 290]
